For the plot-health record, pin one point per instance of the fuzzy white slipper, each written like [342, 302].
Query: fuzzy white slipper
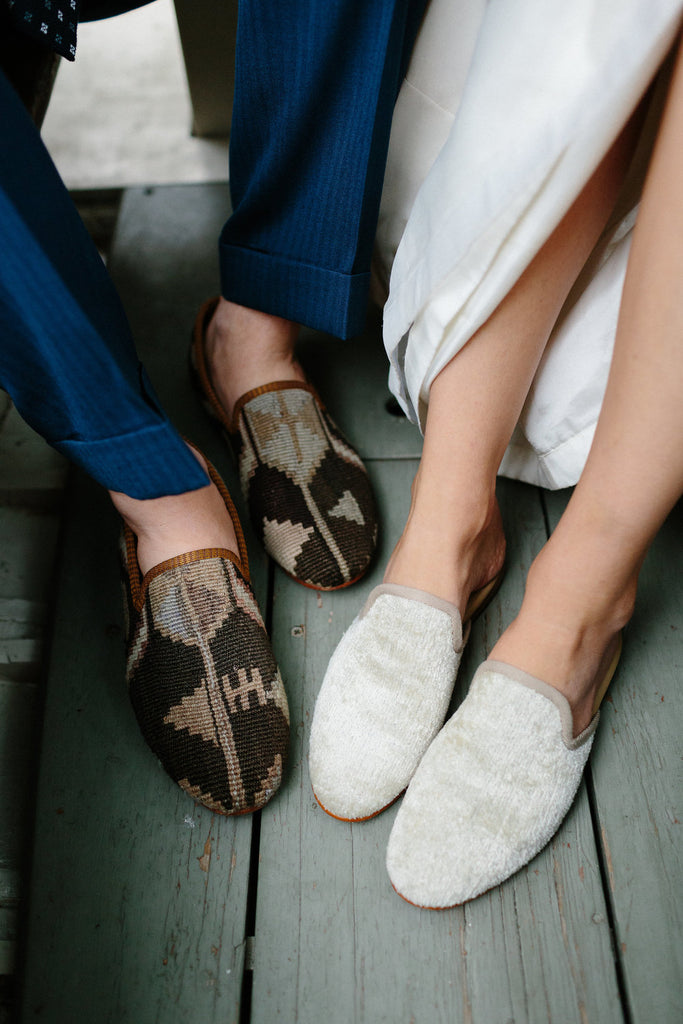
[384, 697]
[491, 791]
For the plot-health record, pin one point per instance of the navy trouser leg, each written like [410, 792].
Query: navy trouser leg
[67, 357]
[315, 89]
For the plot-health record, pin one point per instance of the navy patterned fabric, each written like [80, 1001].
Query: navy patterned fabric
[67, 357]
[53, 22]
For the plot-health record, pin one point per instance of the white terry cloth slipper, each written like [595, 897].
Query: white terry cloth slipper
[492, 789]
[384, 697]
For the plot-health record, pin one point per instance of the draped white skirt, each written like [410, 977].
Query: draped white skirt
[507, 108]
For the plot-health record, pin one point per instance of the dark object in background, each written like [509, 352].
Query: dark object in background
[30, 67]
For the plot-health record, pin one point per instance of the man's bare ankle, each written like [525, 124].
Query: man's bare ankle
[173, 525]
[232, 324]
[246, 349]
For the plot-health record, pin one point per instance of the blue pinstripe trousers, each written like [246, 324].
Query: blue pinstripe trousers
[316, 83]
[315, 86]
[67, 357]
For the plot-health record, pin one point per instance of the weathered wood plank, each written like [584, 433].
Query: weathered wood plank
[27, 553]
[7, 1003]
[27, 546]
[19, 706]
[636, 770]
[31, 472]
[10, 886]
[137, 900]
[332, 939]
[8, 940]
[22, 628]
[21, 657]
[8, 947]
[21, 618]
[18, 749]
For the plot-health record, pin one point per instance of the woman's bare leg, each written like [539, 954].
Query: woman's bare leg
[581, 588]
[453, 541]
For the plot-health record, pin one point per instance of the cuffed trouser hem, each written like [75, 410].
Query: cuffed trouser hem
[322, 299]
[147, 463]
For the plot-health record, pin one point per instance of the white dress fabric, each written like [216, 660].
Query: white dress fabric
[507, 108]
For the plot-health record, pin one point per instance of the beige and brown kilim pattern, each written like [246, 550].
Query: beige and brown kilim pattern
[309, 497]
[308, 494]
[204, 684]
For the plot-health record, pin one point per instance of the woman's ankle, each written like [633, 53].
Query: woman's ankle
[566, 629]
[449, 551]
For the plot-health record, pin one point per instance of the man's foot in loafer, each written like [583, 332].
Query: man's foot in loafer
[202, 678]
[309, 497]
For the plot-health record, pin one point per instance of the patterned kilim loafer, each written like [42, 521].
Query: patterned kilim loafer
[202, 678]
[308, 494]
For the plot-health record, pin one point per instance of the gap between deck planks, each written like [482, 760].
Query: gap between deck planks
[637, 781]
[138, 898]
[31, 480]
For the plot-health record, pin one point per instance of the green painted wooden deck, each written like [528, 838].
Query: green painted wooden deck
[144, 907]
